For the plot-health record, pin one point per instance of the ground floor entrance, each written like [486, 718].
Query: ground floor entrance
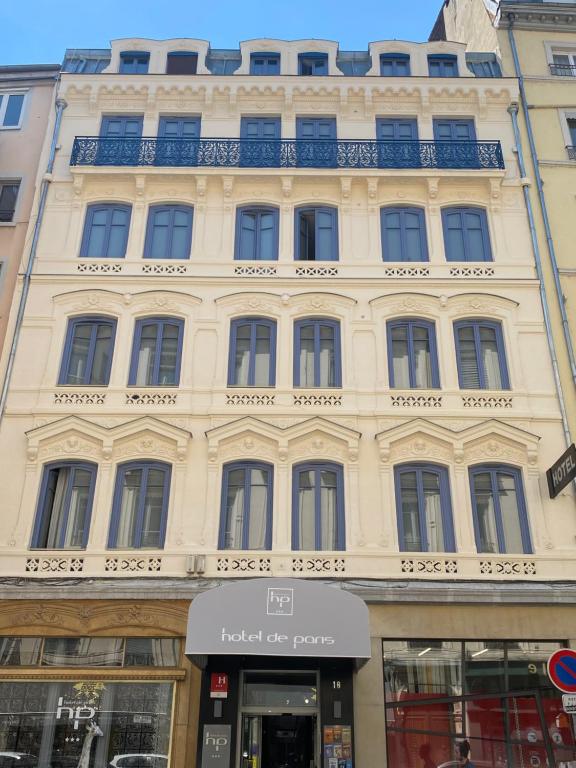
[279, 741]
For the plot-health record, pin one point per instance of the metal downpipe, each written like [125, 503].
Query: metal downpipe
[542, 200]
[513, 110]
[60, 105]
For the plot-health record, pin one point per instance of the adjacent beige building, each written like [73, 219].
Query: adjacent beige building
[26, 106]
[281, 335]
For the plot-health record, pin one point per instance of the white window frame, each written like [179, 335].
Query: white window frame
[4, 105]
[565, 115]
[563, 49]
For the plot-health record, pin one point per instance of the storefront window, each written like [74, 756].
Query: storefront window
[151, 652]
[82, 652]
[508, 711]
[108, 724]
[20, 651]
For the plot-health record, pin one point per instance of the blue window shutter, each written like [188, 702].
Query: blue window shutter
[257, 233]
[88, 349]
[413, 352]
[265, 64]
[142, 534]
[248, 351]
[313, 64]
[316, 128]
[394, 65]
[480, 355]
[168, 232]
[488, 483]
[454, 130]
[121, 126]
[316, 234]
[329, 522]
[442, 65]
[239, 508]
[466, 236]
[403, 234]
[260, 127]
[317, 354]
[71, 486]
[178, 127]
[106, 230]
[156, 352]
[412, 514]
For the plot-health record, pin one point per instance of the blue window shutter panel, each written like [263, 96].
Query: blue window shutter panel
[246, 471]
[145, 470]
[404, 236]
[454, 130]
[337, 520]
[493, 475]
[466, 235]
[121, 126]
[316, 234]
[168, 232]
[179, 127]
[318, 128]
[260, 127]
[98, 336]
[106, 230]
[394, 65]
[257, 233]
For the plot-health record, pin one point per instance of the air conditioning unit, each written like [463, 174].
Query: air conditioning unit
[195, 564]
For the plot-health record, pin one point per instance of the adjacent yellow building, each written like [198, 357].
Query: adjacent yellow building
[283, 365]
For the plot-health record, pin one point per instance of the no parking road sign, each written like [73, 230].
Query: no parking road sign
[562, 670]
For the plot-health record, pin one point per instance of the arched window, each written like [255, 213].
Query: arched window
[317, 359]
[423, 508]
[316, 234]
[480, 355]
[169, 232]
[246, 510]
[318, 521]
[500, 518]
[106, 231]
[156, 352]
[404, 234]
[466, 236]
[252, 357]
[88, 349]
[256, 233]
[140, 506]
[412, 354]
[64, 506]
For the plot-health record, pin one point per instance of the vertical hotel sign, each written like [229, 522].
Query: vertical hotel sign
[562, 472]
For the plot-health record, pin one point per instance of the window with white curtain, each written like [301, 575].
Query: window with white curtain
[424, 509]
[480, 355]
[318, 507]
[246, 514]
[412, 354]
[140, 506]
[317, 360]
[500, 517]
[156, 352]
[252, 358]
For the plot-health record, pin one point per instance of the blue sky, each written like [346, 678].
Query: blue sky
[38, 31]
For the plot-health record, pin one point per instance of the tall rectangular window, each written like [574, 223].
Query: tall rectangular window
[317, 353]
[246, 515]
[412, 354]
[500, 519]
[87, 357]
[168, 232]
[318, 507]
[64, 506]
[403, 234]
[466, 236]
[480, 355]
[106, 231]
[316, 236]
[8, 197]
[264, 63]
[156, 352]
[424, 509]
[394, 64]
[252, 357]
[442, 65]
[313, 64]
[181, 63]
[11, 110]
[256, 233]
[140, 506]
[134, 62]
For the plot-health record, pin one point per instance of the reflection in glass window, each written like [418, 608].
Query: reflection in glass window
[140, 506]
[20, 651]
[152, 652]
[421, 668]
[484, 667]
[82, 652]
[43, 723]
[266, 689]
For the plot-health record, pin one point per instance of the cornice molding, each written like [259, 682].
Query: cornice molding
[549, 16]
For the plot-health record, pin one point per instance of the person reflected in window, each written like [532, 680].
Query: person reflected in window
[464, 755]
[424, 753]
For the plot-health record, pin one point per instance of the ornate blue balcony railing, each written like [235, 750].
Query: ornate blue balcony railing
[285, 153]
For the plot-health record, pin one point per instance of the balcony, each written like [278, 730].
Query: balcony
[571, 152]
[285, 153]
[563, 70]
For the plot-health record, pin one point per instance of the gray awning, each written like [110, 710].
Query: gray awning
[278, 617]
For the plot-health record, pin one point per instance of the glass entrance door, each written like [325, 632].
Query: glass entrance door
[278, 741]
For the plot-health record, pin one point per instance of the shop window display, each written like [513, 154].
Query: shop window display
[495, 695]
[87, 723]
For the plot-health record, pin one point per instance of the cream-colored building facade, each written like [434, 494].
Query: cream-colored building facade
[544, 35]
[26, 103]
[359, 429]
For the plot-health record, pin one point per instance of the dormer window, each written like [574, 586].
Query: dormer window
[442, 65]
[264, 63]
[313, 64]
[134, 62]
[181, 63]
[395, 65]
